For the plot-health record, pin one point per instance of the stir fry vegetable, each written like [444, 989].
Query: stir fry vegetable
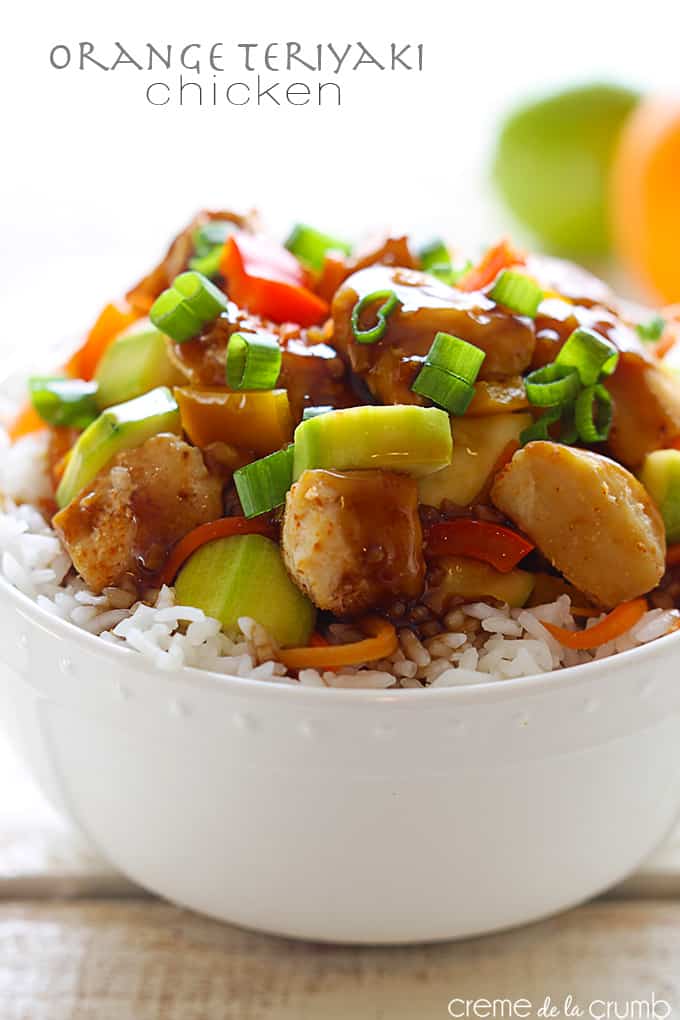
[614, 625]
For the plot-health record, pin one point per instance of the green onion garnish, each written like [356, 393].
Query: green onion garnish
[64, 401]
[590, 354]
[389, 302]
[315, 412]
[455, 356]
[208, 265]
[444, 389]
[253, 361]
[435, 259]
[517, 292]
[263, 485]
[594, 413]
[211, 235]
[187, 306]
[552, 386]
[652, 330]
[434, 253]
[539, 429]
[310, 245]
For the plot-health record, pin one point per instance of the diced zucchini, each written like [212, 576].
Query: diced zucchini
[134, 364]
[245, 576]
[660, 476]
[119, 428]
[471, 579]
[403, 438]
[478, 445]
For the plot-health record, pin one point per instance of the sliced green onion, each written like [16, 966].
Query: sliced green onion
[182, 311]
[434, 253]
[517, 292]
[594, 413]
[552, 386]
[435, 259]
[64, 401]
[263, 485]
[211, 235]
[208, 265]
[652, 330]
[539, 429]
[253, 361]
[444, 389]
[310, 245]
[590, 354]
[455, 356]
[315, 412]
[389, 302]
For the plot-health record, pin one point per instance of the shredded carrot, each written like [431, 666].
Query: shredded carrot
[673, 555]
[225, 527]
[381, 642]
[501, 256]
[319, 641]
[27, 421]
[111, 322]
[614, 625]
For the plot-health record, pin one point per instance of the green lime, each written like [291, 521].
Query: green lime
[552, 164]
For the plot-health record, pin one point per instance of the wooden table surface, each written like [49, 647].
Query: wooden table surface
[79, 942]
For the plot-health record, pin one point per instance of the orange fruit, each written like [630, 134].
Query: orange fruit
[645, 199]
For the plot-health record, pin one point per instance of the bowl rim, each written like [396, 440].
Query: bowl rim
[491, 691]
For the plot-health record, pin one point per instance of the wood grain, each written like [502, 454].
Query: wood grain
[151, 961]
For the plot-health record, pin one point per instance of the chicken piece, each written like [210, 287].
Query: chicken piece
[352, 540]
[590, 517]
[390, 366]
[143, 502]
[312, 373]
[646, 409]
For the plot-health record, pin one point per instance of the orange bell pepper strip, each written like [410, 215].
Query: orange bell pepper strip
[225, 527]
[267, 280]
[26, 422]
[501, 256]
[480, 540]
[381, 642]
[110, 323]
[612, 626]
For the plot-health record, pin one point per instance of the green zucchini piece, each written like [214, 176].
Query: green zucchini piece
[660, 476]
[122, 427]
[245, 576]
[134, 364]
[401, 437]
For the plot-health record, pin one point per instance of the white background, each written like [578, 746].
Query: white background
[94, 180]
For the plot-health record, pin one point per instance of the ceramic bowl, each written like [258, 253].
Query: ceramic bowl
[349, 816]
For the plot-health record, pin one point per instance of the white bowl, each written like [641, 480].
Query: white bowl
[351, 816]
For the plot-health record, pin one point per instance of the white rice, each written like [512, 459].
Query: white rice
[478, 643]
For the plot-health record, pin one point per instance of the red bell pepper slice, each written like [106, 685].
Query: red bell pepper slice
[501, 256]
[480, 540]
[268, 280]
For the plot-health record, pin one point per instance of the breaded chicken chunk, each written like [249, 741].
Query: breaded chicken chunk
[352, 540]
[590, 517]
[143, 502]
